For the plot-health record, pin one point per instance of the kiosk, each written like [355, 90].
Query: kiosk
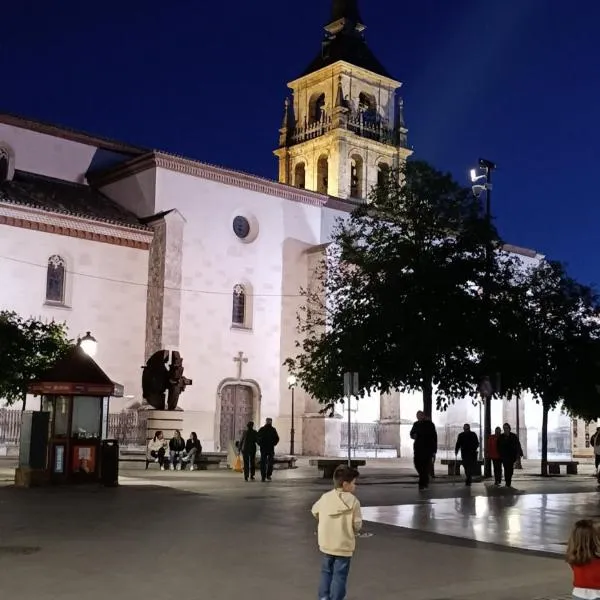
[75, 394]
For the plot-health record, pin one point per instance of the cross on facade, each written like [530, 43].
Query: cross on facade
[239, 359]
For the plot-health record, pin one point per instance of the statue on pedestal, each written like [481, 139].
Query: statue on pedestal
[157, 380]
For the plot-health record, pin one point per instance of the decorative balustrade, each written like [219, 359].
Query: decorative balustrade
[361, 123]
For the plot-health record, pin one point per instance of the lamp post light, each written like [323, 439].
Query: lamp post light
[292, 382]
[482, 182]
[88, 344]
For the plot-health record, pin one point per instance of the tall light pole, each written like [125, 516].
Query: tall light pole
[292, 382]
[486, 167]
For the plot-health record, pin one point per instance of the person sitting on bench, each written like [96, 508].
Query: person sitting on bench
[176, 450]
[157, 448]
[193, 449]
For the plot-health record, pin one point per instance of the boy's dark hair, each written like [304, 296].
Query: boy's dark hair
[344, 474]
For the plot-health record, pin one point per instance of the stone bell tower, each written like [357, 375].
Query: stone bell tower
[343, 128]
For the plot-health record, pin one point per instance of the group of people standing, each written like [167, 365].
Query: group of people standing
[266, 438]
[503, 448]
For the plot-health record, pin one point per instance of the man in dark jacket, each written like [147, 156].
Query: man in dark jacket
[467, 443]
[424, 434]
[248, 450]
[268, 438]
[510, 451]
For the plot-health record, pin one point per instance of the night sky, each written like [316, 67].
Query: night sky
[514, 81]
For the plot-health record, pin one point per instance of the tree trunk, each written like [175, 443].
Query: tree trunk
[24, 401]
[545, 410]
[427, 396]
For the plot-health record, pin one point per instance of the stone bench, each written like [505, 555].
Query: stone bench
[454, 466]
[329, 465]
[203, 462]
[555, 465]
[284, 462]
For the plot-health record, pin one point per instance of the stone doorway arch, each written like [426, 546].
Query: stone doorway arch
[238, 401]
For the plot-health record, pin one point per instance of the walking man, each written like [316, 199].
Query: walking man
[424, 434]
[467, 443]
[510, 451]
[268, 438]
[595, 444]
[248, 450]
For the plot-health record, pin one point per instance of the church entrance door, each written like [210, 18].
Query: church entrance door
[237, 408]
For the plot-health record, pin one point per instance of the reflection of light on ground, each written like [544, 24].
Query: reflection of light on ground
[533, 521]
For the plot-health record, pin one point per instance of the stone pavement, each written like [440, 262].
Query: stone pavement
[211, 535]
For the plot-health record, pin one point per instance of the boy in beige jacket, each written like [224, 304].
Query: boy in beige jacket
[340, 519]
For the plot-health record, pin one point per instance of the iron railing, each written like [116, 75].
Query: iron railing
[128, 427]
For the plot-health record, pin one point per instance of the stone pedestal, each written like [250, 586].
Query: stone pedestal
[389, 420]
[321, 436]
[166, 421]
[26, 477]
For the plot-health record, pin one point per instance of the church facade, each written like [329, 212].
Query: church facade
[152, 251]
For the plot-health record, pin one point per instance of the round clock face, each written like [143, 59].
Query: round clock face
[241, 227]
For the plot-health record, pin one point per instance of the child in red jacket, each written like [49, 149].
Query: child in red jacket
[583, 554]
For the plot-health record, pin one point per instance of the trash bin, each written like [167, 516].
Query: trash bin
[109, 463]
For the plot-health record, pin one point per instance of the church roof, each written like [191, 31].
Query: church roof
[64, 197]
[345, 41]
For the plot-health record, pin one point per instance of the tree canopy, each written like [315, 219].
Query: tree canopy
[397, 297]
[548, 341]
[28, 347]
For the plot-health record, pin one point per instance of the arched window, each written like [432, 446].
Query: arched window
[366, 103]
[322, 175]
[316, 108]
[238, 312]
[383, 174]
[356, 177]
[300, 176]
[56, 279]
[5, 170]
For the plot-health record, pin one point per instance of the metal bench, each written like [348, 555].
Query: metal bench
[454, 466]
[329, 465]
[555, 465]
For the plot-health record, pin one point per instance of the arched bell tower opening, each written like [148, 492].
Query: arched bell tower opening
[345, 112]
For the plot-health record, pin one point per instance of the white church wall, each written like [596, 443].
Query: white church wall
[272, 266]
[105, 294]
[47, 155]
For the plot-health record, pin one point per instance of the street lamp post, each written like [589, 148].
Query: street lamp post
[487, 167]
[88, 344]
[292, 381]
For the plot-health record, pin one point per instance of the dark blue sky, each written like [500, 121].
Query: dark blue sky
[515, 81]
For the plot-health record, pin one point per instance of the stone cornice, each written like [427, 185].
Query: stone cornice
[47, 222]
[195, 168]
[342, 67]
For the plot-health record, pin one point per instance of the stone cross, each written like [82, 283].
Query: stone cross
[239, 359]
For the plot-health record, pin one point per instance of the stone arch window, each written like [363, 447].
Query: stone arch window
[322, 174]
[300, 176]
[316, 108]
[367, 103]
[357, 170]
[238, 309]
[6, 166]
[383, 173]
[56, 279]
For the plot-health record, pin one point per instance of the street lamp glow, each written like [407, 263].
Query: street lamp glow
[291, 381]
[88, 344]
[474, 176]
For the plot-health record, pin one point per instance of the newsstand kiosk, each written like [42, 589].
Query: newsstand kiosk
[75, 401]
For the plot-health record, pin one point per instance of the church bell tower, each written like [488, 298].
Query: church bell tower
[343, 128]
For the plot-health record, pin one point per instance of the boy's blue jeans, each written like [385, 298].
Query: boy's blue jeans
[334, 575]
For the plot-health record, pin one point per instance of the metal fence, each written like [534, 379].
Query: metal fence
[369, 436]
[128, 427]
[447, 438]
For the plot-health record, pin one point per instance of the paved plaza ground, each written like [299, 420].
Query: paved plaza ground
[210, 535]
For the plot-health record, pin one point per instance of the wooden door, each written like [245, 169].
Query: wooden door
[236, 410]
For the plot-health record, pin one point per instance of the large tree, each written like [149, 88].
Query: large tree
[27, 348]
[548, 343]
[398, 296]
